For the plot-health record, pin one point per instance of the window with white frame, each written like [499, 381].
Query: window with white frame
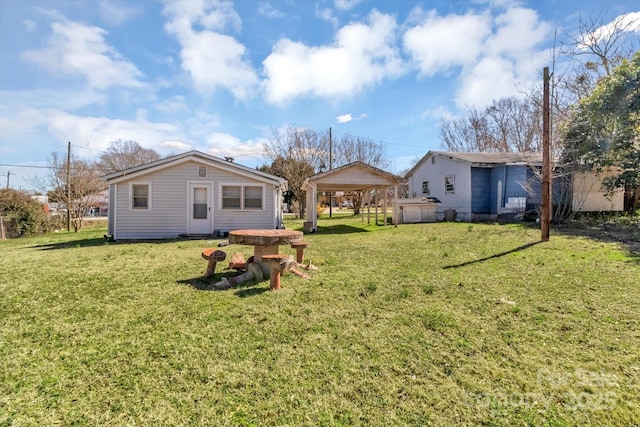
[253, 197]
[425, 188]
[231, 197]
[140, 196]
[245, 197]
[450, 184]
[202, 171]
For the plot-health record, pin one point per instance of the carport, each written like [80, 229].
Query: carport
[354, 177]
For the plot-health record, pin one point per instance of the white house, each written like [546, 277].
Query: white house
[477, 186]
[191, 194]
[480, 186]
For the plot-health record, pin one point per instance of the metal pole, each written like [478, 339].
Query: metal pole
[546, 161]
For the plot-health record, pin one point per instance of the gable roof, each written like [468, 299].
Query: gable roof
[483, 159]
[196, 156]
[346, 178]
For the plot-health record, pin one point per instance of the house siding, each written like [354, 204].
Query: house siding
[516, 182]
[435, 173]
[168, 214]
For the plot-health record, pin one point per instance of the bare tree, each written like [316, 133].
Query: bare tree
[79, 192]
[600, 46]
[508, 124]
[351, 149]
[296, 154]
[124, 155]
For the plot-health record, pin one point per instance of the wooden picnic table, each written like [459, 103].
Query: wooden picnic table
[264, 241]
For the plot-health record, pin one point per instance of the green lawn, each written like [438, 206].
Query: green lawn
[425, 324]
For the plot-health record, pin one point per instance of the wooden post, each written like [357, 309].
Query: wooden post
[2, 235]
[69, 186]
[546, 162]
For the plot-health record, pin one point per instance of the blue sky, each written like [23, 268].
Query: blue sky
[218, 76]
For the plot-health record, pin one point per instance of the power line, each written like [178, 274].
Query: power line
[89, 149]
[25, 166]
[380, 141]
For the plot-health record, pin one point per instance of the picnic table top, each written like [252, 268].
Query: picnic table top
[264, 237]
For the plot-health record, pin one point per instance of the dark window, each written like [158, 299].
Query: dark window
[425, 188]
[140, 196]
[450, 184]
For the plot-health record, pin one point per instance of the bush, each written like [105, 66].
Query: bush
[22, 216]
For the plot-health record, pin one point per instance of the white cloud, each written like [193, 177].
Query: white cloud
[116, 13]
[362, 55]
[440, 43]
[327, 15]
[99, 132]
[519, 32]
[208, 50]
[266, 9]
[492, 78]
[175, 145]
[226, 145]
[174, 104]
[346, 4]
[344, 118]
[629, 22]
[80, 50]
[64, 98]
[495, 56]
[510, 59]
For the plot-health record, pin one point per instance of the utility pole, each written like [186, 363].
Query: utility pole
[69, 186]
[546, 161]
[330, 167]
[8, 175]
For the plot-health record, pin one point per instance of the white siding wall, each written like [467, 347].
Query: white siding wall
[168, 216]
[588, 195]
[435, 173]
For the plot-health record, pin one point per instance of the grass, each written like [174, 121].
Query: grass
[423, 324]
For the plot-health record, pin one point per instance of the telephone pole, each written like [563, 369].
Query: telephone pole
[8, 175]
[546, 161]
[330, 167]
[69, 186]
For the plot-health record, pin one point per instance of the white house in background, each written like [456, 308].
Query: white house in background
[481, 186]
[588, 195]
[191, 194]
[477, 186]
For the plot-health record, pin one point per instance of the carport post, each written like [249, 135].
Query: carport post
[395, 205]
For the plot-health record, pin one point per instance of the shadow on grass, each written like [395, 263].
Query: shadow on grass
[102, 241]
[501, 254]
[339, 229]
[242, 290]
[82, 243]
[622, 231]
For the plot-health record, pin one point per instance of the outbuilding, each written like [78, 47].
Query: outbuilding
[353, 177]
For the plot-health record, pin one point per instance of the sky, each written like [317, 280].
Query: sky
[220, 76]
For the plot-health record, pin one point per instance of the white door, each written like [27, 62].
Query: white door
[200, 209]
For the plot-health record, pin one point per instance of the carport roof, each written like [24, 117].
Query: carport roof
[356, 176]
